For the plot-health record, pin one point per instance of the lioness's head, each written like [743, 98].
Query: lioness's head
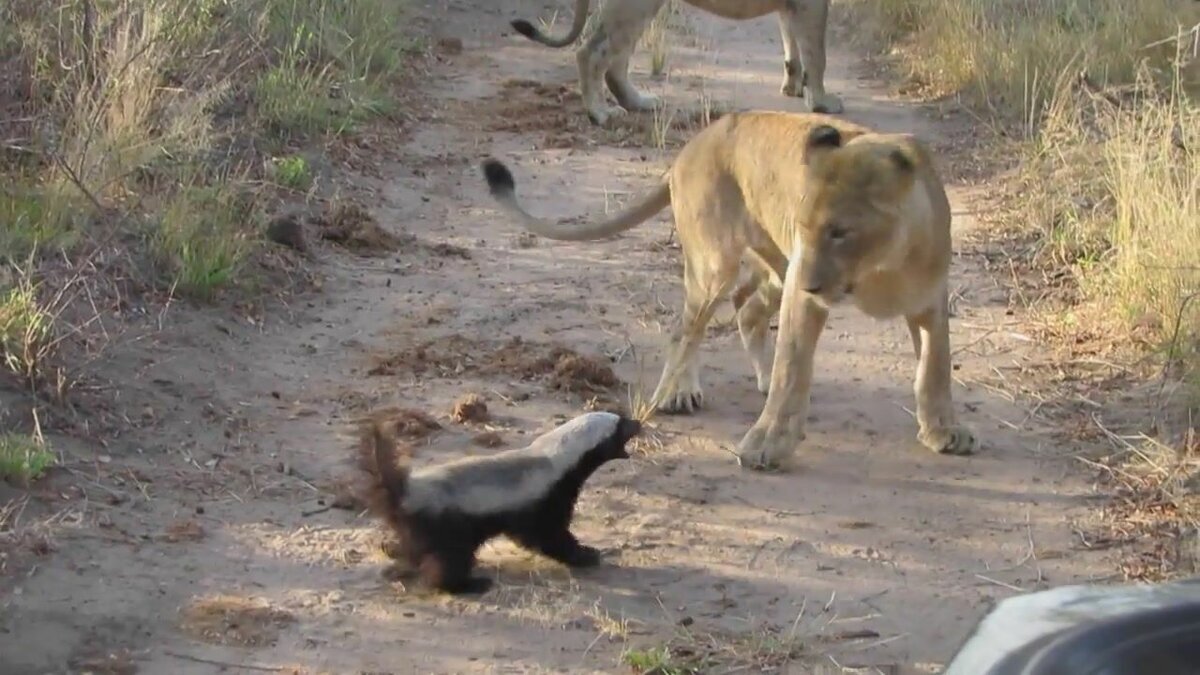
[858, 205]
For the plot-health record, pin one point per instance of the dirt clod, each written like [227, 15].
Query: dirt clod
[488, 439]
[575, 372]
[450, 45]
[351, 227]
[184, 531]
[469, 408]
[561, 368]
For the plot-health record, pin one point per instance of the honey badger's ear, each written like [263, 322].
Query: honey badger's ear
[821, 139]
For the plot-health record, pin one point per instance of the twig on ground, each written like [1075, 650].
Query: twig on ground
[229, 664]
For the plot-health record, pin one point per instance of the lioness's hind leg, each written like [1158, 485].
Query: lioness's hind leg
[617, 79]
[939, 429]
[592, 60]
[755, 307]
[678, 389]
[810, 19]
[793, 69]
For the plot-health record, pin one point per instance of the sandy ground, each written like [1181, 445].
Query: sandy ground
[202, 540]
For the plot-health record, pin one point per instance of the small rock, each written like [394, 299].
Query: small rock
[450, 45]
[286, 230]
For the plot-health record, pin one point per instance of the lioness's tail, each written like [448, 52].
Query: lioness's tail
[387, 466]
[503, 188]
[530, 31]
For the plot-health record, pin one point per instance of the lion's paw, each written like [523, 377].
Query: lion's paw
[601, 116]
[682, 401]
[764, 381]
[761, 450]
[642, 103]
[956, 440]
[792, 86]
[825, 103]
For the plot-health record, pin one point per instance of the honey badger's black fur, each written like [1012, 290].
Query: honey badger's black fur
[443, 514]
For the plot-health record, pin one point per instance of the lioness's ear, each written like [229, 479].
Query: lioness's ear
[902, 159]
[822, 137]
[907, 153]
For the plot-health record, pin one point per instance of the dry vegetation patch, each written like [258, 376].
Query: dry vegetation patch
[234, 620]
[1154, 513]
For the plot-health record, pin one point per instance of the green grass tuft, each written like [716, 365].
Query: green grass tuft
[23, 459]
[203, 238]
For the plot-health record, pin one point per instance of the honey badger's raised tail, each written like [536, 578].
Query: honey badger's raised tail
[503, 188]
[530, 31]
[386, 464]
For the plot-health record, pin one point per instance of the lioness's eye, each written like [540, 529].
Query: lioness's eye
[835, 233]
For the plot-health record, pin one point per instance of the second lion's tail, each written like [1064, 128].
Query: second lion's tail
[504, 191]
[530, 31]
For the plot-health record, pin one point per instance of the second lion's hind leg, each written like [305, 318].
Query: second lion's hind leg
[617, 79]
[593, 60]
[754, 311]
[678, 389]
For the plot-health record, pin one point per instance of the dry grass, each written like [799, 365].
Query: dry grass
[657, 38]
[1101, 97]
[150, 123]
[1155, 510]
[1007, 55]
[1102, 91]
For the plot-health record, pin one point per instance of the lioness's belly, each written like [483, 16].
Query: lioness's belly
[738, 10]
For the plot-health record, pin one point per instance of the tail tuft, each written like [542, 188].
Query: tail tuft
[525, 28]
[499, 178]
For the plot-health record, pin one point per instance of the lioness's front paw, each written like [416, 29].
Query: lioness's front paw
[682, 401]
[602, 115]
[760, 449]
[825, 103]
[764, 382]
[956, 440]
[792, 86]
[642, 103]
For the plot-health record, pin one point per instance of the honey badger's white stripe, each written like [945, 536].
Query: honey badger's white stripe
[511, 479]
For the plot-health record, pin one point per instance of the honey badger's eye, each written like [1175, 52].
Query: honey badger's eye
[835, 233]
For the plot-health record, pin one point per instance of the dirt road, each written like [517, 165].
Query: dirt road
[197, 551]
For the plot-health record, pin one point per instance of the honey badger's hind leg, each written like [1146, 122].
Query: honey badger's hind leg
[450, 569]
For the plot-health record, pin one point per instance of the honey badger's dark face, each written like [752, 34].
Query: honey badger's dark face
[614, 446]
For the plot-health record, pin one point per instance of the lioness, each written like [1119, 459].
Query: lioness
[824, 210]
[606, 53]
